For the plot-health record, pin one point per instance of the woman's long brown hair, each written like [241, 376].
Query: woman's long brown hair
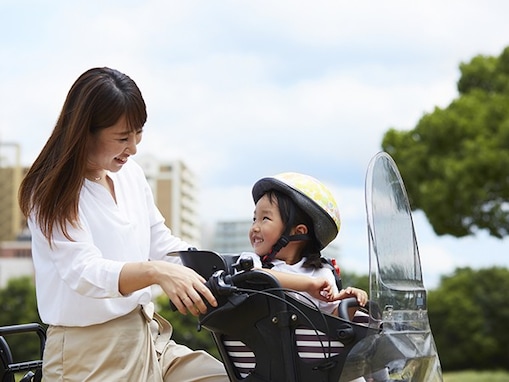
[51, 188]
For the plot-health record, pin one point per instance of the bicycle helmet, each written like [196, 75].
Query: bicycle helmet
[311, 196]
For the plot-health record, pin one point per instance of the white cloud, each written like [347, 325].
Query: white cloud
[241, 90]
[435, 261]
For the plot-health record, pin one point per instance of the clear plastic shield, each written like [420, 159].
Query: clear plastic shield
[404, 349]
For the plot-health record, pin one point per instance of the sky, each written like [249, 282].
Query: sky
[240, 90]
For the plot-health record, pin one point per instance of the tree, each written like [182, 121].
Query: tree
[355, 280]
[185, 328]
[455, 161]
[18, 306]
[468, 315]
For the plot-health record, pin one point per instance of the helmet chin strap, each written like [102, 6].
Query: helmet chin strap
[280, 244]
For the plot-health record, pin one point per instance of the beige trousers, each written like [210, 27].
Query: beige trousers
[133, 348]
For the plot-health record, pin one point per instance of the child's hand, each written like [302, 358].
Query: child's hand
[321, 289]
[362, 296]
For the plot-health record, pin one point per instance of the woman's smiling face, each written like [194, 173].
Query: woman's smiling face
[110, 148]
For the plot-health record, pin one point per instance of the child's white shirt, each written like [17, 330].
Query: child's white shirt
[297, 268]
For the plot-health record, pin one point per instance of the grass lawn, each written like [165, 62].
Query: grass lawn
[477, 376]
[459, 376]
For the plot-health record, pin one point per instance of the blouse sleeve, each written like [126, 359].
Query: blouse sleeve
[77, 263]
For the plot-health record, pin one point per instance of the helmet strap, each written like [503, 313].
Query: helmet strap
[280, 244]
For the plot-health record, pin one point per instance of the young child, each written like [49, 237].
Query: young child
[295, 217]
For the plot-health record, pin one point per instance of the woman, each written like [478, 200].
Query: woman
[99, 243]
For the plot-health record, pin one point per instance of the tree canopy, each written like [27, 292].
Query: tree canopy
[468, 314]
[18, 306]
[185, 328]
[455, 162]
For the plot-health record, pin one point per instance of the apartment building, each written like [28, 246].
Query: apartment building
[175, 191]
[11, 172]
[231, 236]
[173, 184]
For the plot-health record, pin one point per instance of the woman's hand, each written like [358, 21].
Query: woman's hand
[184, 287]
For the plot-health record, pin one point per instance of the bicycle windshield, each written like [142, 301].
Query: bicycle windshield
[404, 349]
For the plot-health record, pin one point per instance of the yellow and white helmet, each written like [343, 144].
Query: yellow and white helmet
[311, 196]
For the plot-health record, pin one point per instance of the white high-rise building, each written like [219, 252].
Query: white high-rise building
[232, 236]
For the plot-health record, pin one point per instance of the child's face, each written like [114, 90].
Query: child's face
[267, 226]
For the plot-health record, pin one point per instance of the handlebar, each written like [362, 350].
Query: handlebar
[222, 285]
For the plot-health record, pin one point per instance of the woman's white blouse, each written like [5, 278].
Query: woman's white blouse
[77, 281]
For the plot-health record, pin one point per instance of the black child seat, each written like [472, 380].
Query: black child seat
[31, 368]
[263, 334]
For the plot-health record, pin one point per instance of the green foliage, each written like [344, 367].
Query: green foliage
[18, 306]
[185, 328]
[354, 280]
[468, 314]
[477, 376]
[454, 162]
[18, 301]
